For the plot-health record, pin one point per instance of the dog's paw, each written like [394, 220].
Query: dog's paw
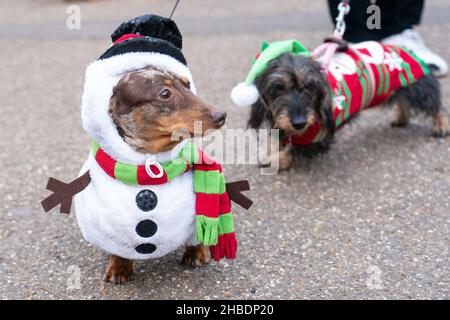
[440, 132]
[399, 123]
[441, 126]
[196, 256]
[118, 275]
[285, 159]
[119, 270]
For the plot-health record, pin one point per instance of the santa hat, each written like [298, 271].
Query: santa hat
[246, 93]
[148, 40]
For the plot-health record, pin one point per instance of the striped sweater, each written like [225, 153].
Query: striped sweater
[350, 86]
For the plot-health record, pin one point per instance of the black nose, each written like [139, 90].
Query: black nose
[299, 123]
[219, 116]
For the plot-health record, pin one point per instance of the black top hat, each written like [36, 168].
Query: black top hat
[147, 33]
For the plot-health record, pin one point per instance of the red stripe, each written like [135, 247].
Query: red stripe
[127, 37]
[106, 162]
[414, 65]
[224, 203]
[218, 251]
[226, 247]
[204, 159]
[204, 167]
[205, 163]
[144, 179]
[108, 165]
[230, 244]
[207, 205]
[308, 137]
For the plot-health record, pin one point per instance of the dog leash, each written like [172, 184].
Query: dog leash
[334, 43]
[174, 8]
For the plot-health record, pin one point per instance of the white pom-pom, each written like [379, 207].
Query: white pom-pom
[244, 94]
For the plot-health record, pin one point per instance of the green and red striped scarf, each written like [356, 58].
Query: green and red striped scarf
[214, 221]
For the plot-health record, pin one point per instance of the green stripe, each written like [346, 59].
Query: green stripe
[95, 147]
[358, 69]
[222, 186]
[174, 168]
[226, 223]
[422, 63]
[388, 79]
[364, 93]
[320, 136]
[366, 73]
[402, 79]
[363, 83]
[206, 230]
[208, 182]
[348, 100]
[190, 153]
[407, 67]
[381, 77]
[413, 56]
[126, 173]
[338, 120]
[369, 86]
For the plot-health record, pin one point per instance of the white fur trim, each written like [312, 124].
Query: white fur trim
[244, 94]
[101, 77]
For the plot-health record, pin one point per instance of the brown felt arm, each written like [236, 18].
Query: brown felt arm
[234, 190]
[63, 193]
[55, 185]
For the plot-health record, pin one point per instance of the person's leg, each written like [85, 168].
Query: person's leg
[355, 20]
[397, 21]
[398, 16]
[397, 27]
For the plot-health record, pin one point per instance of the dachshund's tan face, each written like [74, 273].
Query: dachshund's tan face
[148, 105]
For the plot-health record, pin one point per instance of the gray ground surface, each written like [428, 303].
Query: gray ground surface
[379, 198]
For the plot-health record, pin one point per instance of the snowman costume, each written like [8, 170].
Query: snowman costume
[142, 206]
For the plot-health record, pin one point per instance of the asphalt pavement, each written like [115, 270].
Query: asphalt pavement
[368, 220]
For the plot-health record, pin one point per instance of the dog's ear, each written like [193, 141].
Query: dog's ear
[324, 110]
[258, 114]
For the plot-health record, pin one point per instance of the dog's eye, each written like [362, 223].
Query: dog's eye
[278, 87]
[165, 94]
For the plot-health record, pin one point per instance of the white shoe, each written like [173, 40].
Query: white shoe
[411, 40]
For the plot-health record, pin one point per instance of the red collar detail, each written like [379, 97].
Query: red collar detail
[127, 37]
[306, 138]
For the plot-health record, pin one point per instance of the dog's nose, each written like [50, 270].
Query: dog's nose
[219, 116]
[299, 123]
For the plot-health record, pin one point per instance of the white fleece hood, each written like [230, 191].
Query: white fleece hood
[101, 77]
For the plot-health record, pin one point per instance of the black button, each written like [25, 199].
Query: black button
[145, 248]
[146, 200]
[146, 228]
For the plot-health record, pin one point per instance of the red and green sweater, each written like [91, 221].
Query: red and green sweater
[350, 86]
